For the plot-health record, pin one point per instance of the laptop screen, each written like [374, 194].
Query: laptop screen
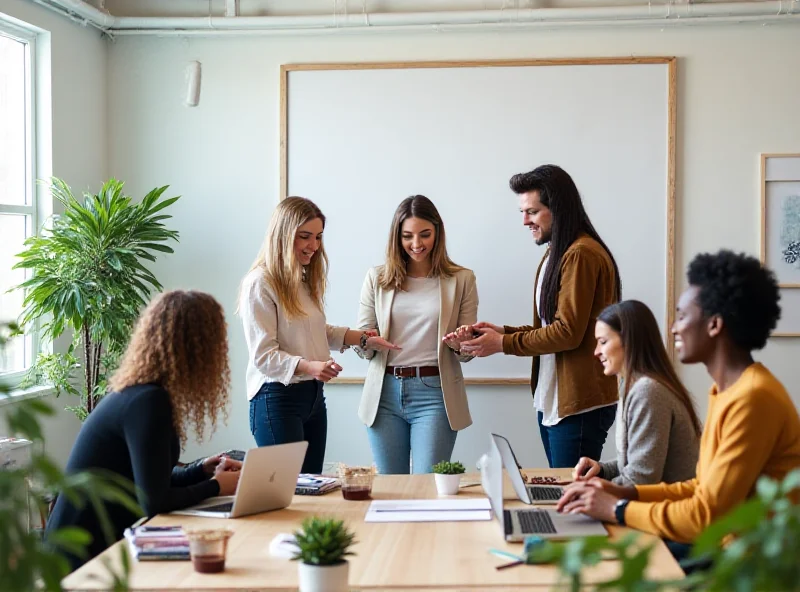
[492, 479]
[510, 463]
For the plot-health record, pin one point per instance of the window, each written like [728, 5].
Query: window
[18, 212]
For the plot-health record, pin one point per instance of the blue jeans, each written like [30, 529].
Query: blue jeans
[575, 436]
[280, 414]
[411, 424]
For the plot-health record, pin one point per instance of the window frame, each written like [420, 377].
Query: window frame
[31, 209]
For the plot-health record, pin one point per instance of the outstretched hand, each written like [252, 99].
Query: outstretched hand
[489, 343]
[456, 338]
[378, 343]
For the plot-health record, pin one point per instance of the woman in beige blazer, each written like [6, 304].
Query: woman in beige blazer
[414, 401]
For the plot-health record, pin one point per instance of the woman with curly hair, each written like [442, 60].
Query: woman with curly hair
[173, 376]
[281, 302]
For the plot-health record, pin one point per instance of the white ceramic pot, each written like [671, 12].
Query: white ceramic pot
[323, 578]
[447, 484]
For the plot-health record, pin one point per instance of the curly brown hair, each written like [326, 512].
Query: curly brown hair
[181, 343]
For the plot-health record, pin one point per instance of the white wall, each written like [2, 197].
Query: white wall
[737, 97]
[78, 59]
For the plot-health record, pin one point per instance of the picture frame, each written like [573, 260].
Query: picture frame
[780, 233]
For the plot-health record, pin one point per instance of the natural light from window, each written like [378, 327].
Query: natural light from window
[17, 209]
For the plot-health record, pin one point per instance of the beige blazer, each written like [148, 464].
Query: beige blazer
[458, 306]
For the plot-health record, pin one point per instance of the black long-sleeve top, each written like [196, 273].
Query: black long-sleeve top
[131, 434]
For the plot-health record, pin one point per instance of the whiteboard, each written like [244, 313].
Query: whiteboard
[359, 138]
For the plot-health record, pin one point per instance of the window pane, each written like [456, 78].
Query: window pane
[13, 229]
[13, 150]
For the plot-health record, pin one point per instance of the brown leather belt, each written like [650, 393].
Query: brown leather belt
[412, 371]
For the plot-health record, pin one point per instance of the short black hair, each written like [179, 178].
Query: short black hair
[742, 291]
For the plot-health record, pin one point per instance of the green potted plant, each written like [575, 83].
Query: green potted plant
[323, 544]
[89, 275]
[448, 477]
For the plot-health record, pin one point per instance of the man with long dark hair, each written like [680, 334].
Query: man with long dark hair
[577, 278]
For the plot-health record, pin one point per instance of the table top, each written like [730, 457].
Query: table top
[441, 555]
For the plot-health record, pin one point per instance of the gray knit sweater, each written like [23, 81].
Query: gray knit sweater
[655, 438]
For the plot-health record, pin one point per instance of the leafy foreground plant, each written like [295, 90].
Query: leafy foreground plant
[573, 556]
[89, 275]
[765, 551]
[323, 541]
[753, 549]
[26, 561]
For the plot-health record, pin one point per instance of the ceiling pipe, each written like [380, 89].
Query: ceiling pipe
[658, 14]
[80, 11]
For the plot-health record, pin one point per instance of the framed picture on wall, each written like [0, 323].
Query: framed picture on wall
[780, 233]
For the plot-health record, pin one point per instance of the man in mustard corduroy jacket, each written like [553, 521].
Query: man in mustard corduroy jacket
[752, 427]
[575, 401]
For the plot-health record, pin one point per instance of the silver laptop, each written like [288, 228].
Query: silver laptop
[535, 494]
[520, 523]
[268, 480]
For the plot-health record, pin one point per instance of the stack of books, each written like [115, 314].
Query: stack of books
[308, 484]
[158, 543]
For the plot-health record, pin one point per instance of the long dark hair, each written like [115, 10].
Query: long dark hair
[393, 275]
[557, 191]
[645, 354]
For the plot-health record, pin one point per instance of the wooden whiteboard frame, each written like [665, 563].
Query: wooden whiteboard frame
[671, 148]
[764, 158]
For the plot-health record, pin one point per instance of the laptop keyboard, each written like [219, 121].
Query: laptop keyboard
[545, 493]
[226, 507]
[530, 521]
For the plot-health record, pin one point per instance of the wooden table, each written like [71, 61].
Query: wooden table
[441, 555]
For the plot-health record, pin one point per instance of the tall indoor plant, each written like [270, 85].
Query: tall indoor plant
[89, 275]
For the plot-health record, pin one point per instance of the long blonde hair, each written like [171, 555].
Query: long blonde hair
[393, 274]
[181, 343]
[277, 261]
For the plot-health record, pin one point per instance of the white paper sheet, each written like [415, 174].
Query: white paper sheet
[444, 510]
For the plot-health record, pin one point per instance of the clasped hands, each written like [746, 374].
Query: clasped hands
[225, 471]
[489, 340]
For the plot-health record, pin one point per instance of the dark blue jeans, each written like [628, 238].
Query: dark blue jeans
[280, 414]
[575, 436]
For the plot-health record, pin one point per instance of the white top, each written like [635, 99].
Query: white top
[415, 323]
[545, 397]
[275, 344]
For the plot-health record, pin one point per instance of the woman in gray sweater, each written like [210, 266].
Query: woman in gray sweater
[658, 431]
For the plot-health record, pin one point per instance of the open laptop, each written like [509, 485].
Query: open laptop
[535, 494]
[268, 480]
[520, 523]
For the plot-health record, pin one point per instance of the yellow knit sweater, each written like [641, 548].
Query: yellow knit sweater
[752, 429]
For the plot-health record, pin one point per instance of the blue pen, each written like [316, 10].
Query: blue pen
[505, 554]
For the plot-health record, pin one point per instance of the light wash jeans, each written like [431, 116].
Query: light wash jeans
[411, 424]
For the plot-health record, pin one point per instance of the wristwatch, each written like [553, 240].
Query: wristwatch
[363, 341]
[619, 511]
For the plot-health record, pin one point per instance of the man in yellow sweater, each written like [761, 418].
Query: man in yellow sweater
[752, 426]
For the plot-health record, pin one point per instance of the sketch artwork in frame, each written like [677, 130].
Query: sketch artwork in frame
[780, 233]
